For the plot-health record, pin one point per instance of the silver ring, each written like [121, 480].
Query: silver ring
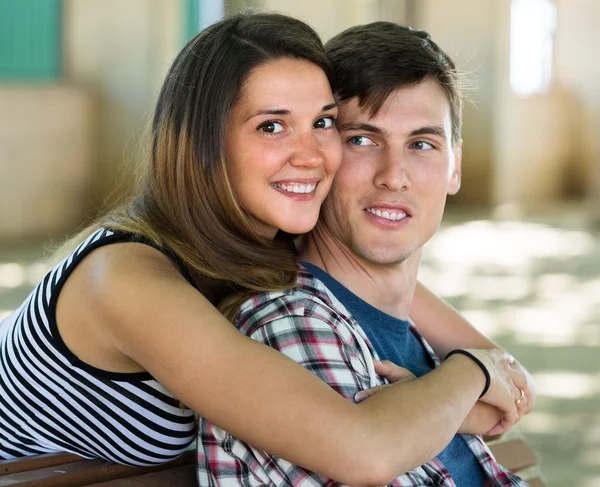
[518, 401]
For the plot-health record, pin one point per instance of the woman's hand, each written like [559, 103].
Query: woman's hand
[527, 395]
[503, 392]
[524, 382]
[391, 372]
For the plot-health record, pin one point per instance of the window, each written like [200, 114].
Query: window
[533, 23]
[200, 14]
[30, 40]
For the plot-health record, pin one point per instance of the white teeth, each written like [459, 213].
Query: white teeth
[388, 215]
[296, 188]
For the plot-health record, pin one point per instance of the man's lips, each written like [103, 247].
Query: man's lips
[389, 211]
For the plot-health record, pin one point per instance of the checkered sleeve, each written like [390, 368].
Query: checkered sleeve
[313, 337]
[320, 345]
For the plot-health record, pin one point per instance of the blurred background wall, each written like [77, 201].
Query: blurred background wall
[78, 79]
[519, 253]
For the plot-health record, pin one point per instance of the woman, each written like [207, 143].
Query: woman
[102, 356]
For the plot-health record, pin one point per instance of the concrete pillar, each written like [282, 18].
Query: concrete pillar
[120, 51]
[333, 16]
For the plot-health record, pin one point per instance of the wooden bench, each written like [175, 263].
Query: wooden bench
[515, 454]
[66, 470]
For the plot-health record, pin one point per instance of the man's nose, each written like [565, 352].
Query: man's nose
[393, 172]
[307, 151]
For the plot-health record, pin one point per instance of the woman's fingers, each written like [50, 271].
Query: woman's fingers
[524, 382]
[496, 430]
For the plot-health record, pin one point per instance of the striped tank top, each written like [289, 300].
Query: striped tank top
[50, 401]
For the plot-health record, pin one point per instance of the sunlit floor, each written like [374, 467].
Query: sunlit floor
[531, 285]
[534, 287]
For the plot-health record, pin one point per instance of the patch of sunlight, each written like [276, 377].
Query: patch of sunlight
[589, 335]
[458, 282]
[591, 456]
[483, 321]
[592, 433]
[539, 325]
[11, 275]
[566, 385]
[551, 286]
[538, 422]
[591, 482]
[550, 321]
[590, 291]
[449, 285]
[499, 287]
[36, 272]
[506, 244]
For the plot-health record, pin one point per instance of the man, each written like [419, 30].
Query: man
[400, 122]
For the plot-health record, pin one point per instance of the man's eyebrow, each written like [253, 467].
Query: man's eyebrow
[429, 130]
[363, 127]
[284, 111]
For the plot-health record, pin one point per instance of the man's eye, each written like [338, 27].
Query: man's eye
[421, 145]
[271, 127]
[324, 123]
[360, 140]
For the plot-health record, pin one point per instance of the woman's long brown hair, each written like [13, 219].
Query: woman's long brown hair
[184, 202]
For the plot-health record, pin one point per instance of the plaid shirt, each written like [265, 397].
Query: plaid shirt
[309, 325]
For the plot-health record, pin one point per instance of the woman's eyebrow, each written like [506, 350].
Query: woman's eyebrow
[284, 111]
[268, 111]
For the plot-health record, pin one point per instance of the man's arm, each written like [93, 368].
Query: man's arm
[445, 329]
[443, 326]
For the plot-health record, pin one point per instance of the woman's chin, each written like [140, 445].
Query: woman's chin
[298, 228]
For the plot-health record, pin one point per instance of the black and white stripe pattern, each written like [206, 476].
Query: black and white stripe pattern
[51, 401]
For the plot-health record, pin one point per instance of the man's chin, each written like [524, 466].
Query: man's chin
[384, 256]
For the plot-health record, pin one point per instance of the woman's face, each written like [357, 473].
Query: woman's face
[282, 146]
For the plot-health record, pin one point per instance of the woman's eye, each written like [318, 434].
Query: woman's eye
[324, 123]
[360, 140]
[421, 145]
[271, 127]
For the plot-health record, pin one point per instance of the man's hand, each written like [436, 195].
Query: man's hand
[391, 372]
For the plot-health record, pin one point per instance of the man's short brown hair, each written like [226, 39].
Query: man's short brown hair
[372, 61]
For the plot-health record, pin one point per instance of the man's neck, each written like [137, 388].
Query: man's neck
[389, 288]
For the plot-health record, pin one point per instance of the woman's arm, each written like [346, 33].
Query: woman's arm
[481, 419]
[152, 316]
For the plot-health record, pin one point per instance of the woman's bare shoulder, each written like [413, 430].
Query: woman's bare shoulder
[111, 295]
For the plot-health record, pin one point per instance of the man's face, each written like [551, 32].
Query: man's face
[388, 196]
